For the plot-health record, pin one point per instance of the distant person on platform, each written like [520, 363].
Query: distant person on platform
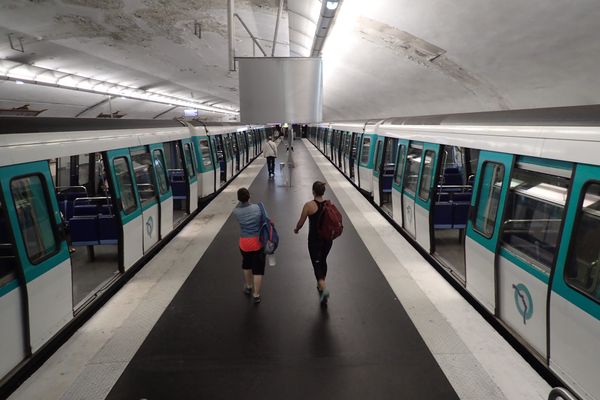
[270, 153]
[253, 257]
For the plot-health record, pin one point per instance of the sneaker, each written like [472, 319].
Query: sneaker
[247, 290]
[324, 296]
[256, 299]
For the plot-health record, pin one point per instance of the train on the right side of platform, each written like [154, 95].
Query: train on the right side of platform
[509, 203]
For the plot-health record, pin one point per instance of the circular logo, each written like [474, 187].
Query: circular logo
[149, 226]
[523, 302]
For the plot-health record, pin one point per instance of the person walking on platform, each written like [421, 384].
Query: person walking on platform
[318, 247]
[270, 153]
[253, 257]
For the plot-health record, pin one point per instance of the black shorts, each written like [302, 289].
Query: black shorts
[254, 260]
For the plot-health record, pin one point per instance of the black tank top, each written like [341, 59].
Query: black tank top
[313, 231]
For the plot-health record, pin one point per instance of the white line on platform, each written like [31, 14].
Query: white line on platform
[475, 358]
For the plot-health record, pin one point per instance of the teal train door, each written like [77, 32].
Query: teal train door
[41, 247]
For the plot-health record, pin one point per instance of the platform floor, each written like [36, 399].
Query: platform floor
[182, 328]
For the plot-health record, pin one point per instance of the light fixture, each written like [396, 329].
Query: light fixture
[24, 73]
[331, 5]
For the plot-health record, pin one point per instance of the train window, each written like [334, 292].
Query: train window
[142, 165]
[583, 265]
[161, 172]
[125, 184]
[33, 213]
[399, 165]
[190, 159]
[427, 175]
[412, 173]
[364, 152]
[7, 256]
[205, 153]
[488, 198]
[536, 204]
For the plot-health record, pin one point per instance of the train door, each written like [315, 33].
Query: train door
[221, 159]
[206, 169]
[377, 169]
[416, 200]
[178, 179]
[40, 245]
[484, 223]
[366, 162]
[121, 171]
[192, 179]
[353, 154]
[574, 315]
[147, 195]
[409, 190]
[165, 194]
[451, 204]
[397, 184]
[13, 314]
[346, 153]
[340, 149]
[235, 151]
[230, 162]
[529, 241]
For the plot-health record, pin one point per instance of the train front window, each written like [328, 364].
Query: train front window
[536, 204]
[29, 195]
[125, 184]
[583, 265]
[142, 165]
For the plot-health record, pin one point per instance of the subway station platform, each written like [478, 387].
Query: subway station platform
[183, 329]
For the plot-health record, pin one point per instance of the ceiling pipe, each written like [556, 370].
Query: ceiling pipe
[329, 9]
[279, 10]
[231, 33]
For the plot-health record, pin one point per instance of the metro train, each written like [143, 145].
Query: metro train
[84, 201]
[508, 203]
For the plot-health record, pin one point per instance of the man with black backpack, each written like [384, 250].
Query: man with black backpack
[324, 225]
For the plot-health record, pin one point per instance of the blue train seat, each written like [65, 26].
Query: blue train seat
[84, 230]
[85, 209]
[442, 197]
[460, 214]
[462, 196]
[106, 209]
[442, 215]
[179, 190]
[108, 229]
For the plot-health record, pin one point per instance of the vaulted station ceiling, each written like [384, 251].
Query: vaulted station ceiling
[382, 57]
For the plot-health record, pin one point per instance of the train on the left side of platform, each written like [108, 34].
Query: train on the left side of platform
[83, 201]
[508, 204]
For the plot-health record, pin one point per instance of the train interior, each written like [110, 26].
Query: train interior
[86, 204]
[178, 180]
[7, 256]
[218, 140]
[451, 206]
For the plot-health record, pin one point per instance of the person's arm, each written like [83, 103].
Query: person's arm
[302, 219]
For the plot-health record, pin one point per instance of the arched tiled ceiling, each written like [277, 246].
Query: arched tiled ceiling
[401, 57]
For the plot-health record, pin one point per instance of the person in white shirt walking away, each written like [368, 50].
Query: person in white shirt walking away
[270, 153]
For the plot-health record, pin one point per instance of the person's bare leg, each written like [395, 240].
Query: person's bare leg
[257, 285]
[248, 277]
[321, 284]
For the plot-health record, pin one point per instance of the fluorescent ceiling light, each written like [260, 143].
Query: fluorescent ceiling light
[42, 76]
[331, 5]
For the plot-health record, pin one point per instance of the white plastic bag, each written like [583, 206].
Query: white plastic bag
[271, 260]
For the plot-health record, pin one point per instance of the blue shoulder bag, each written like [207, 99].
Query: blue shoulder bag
[267, 234]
